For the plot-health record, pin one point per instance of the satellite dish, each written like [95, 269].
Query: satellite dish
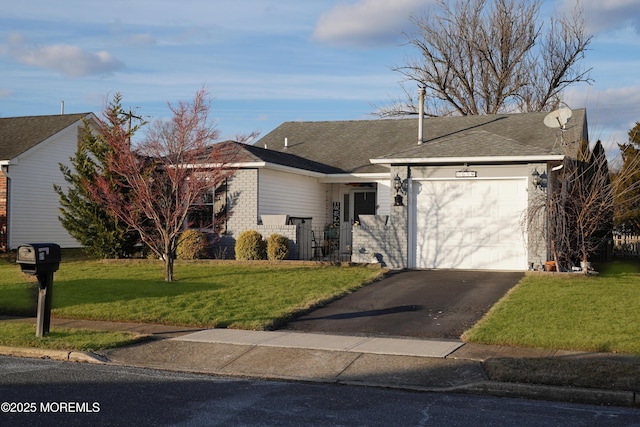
[558, 118]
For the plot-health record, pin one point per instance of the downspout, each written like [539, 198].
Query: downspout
[421, 93]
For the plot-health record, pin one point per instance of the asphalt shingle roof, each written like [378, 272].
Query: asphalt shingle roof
[348, 145]
[19, 134]
[255, 153]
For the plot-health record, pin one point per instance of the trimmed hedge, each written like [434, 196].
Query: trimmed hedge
[192, 244]
[250, 246]
[277, 247]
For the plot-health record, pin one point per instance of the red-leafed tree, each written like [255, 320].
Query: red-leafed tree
[163, 176]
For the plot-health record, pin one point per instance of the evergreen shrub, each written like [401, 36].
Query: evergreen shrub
[250, 246]
[277, 247]
[192, 244]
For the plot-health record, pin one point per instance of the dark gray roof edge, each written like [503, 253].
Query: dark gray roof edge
[415, 118]
[14, 142]
[49, 115]
[290, 160]
[518, 134]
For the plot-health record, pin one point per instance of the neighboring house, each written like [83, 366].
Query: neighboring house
[464, 189]
[31, 149]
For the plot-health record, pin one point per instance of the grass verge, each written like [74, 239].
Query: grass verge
[571, 312]
[17, 334]
[567, 311]
[599, 371]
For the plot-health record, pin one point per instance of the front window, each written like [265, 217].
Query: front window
[210, 212]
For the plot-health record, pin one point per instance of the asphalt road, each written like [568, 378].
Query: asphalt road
[438, 304]
[43, 392]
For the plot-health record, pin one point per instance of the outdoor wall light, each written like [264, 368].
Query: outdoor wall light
[539, 181]
[401, 188]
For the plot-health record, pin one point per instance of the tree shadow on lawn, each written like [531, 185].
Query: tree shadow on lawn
[67, 293]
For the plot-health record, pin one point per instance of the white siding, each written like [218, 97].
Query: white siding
[282, 193]
[33, 204]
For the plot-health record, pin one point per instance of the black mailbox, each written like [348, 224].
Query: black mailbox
[38, 258]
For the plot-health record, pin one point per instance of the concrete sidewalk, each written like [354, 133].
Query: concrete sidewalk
[327, 342]
[412, 364]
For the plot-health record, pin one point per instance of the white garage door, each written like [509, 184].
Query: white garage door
[470, 224]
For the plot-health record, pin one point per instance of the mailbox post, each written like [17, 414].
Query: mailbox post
[41, 260]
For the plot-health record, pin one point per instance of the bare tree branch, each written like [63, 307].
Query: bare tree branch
[488, 57]
[576, 213]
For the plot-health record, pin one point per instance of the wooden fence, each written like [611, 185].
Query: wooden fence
[626, 245]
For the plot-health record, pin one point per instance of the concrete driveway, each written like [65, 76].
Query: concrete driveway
[421, 304]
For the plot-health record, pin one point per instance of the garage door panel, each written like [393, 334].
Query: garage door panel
[470, 224]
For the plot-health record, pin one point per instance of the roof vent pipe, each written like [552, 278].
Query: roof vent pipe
[421, 93]
[286, 142]
[62, 107]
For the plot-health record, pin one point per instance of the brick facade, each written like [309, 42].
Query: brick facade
[387, 244]
[383, 244]
[289, 231]
[242, 206]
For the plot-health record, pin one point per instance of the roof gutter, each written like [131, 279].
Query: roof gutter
[487, 159]
[421, 92]
[340, 178]
[260, 165]
[326, 178]
[4, 167]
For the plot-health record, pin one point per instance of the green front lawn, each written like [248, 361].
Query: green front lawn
[14, 334]
[207, 293]
[561, 311]
[568, 311]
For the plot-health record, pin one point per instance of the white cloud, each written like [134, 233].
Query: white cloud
[248, 15]
[68, 60]
[367, 22]
[140, 39]
[608, 15]
[612, 112]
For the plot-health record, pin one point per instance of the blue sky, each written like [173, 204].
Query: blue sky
[263, 62]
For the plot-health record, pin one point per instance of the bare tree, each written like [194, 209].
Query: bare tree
[164, 175]
[577, 211]
[488, 57]
[588, 206]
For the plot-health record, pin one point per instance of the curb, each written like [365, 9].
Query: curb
[498, 389]
[62, 355]
[526, 391]
[554, 393]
